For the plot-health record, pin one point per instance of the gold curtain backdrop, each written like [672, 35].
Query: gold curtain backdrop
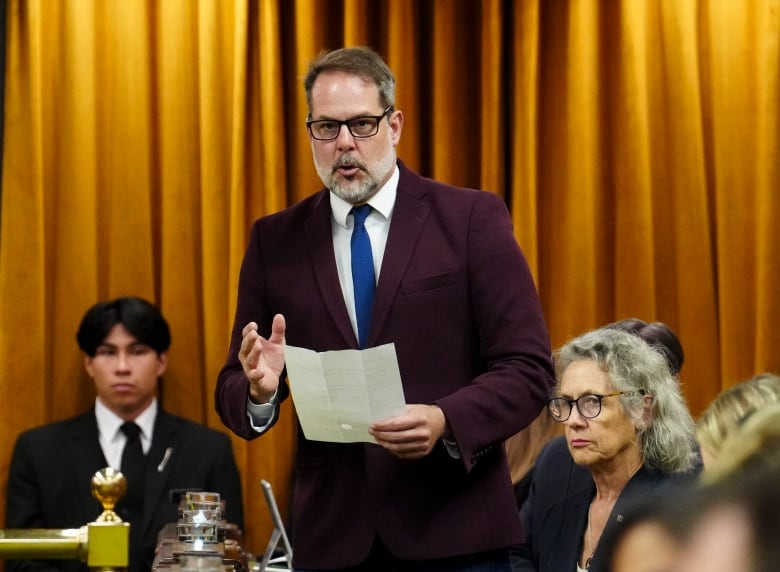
[635, 142]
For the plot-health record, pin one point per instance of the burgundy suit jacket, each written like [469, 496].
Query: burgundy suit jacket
[456, 297]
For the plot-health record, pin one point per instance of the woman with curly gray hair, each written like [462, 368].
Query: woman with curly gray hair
[628, 437]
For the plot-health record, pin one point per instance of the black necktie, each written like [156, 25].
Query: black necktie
[363, 278]
[133, 468]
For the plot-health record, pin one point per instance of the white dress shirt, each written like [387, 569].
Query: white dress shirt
[377, 226]
[112, 440]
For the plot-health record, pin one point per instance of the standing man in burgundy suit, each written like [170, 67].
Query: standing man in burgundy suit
[448, 286]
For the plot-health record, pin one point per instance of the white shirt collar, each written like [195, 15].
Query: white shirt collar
[109, 422]
[382, 202]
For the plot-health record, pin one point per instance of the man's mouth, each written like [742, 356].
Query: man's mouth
[122, 387]
[348, 170]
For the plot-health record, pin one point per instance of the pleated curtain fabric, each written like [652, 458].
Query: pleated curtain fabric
[363, 277]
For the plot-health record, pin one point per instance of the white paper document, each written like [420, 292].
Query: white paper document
[338, 394]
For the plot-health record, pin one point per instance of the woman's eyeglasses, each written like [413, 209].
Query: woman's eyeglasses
[589, 405]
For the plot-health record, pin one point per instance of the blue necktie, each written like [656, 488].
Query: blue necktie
[363, 279]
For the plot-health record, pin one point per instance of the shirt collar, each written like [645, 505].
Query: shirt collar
[382, 202]
[109, 422]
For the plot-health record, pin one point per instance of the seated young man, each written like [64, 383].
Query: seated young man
[125, 343]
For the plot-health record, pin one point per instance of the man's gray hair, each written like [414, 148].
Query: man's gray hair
[361, 61]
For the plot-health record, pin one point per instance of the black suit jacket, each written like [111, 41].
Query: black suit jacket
[52, 467]
[555, 514]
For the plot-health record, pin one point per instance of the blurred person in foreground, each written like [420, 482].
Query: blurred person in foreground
[125, 345]
[453, 293]
[731, 524]
[628, 437]
[752, 445]
[730, 409]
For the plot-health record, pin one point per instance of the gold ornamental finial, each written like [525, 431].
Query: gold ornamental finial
[108, 486]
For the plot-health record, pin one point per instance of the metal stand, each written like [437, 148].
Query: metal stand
[269, 562]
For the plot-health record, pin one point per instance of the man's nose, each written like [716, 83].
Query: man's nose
[345, 139]
[122, 361]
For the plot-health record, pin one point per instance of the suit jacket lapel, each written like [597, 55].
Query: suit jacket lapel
[323, 260]
[636, 490]
[409, 214]
[158, 466]
[575, 515]
[88, 458]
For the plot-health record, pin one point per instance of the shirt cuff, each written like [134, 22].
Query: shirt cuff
[261, 414]
[452, 448]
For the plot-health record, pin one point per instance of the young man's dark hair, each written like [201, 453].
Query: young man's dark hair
[138, 316]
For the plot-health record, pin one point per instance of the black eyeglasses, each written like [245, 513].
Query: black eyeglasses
[359, 127]
[589, 405]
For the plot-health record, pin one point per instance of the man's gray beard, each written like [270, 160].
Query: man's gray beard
[356, 192]
[353, 192]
